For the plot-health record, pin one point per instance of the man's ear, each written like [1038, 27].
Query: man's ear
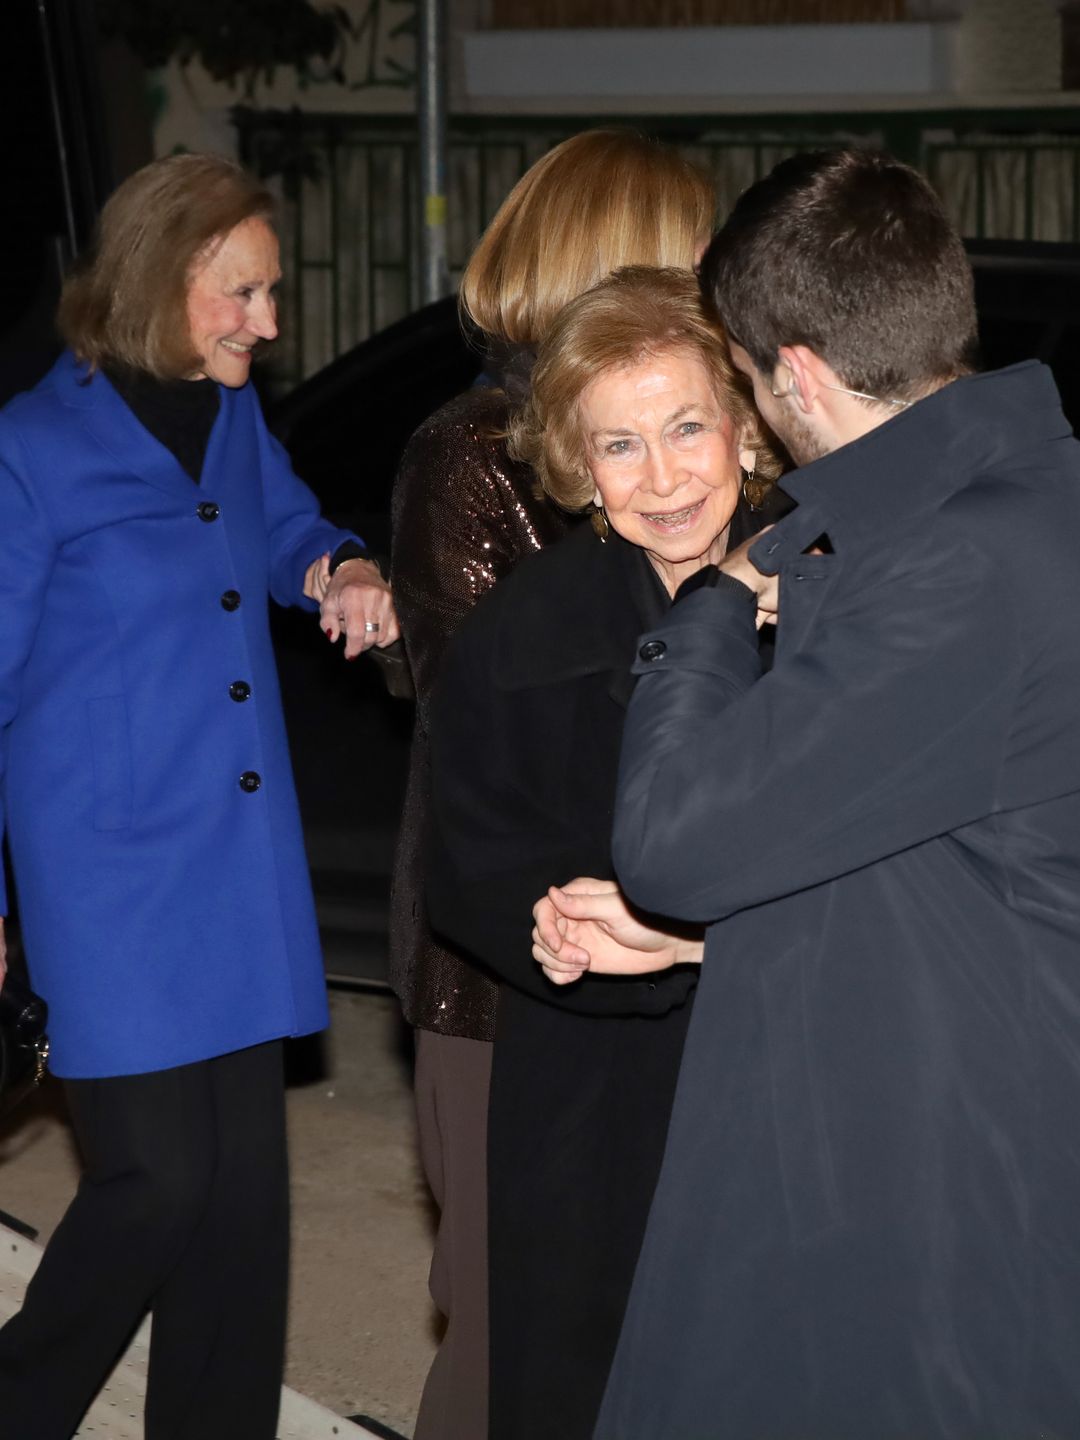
[808, 374]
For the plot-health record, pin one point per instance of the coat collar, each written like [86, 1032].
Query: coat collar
[111, 422]
[912, 463]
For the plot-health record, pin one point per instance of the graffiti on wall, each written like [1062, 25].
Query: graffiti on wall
[383, 51]
[379, 49]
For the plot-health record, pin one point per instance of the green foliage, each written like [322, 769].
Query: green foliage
[237, 41]
[284, 149]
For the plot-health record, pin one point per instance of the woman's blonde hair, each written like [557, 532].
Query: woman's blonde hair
[598, 201]
[636, 313]
[127, 303]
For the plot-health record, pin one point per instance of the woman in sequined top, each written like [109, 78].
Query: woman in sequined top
[464, 514]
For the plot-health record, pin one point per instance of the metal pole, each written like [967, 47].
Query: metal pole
[431, 105]
[58, 130]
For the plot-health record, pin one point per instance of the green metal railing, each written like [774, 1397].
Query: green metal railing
[349, 191]
[1005, 187]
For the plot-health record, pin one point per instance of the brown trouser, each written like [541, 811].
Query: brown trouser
[453, 1076]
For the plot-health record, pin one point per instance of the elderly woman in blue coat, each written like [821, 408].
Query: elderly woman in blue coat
[145, 516]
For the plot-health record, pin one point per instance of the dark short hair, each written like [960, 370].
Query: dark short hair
[126, 302]
[848, 252]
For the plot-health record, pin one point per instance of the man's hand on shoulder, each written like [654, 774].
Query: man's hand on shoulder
[766, 588]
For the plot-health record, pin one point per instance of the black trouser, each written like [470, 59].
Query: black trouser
[183, 1209]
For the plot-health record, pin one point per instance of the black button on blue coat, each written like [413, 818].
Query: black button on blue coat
[250, 781]
[240, 690]
[230, 600]
[653, 650]
[208, 510]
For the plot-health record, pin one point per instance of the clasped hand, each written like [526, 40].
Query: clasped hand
[354, 602]
[588, 925]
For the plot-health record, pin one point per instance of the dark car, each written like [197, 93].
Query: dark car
[346, 426]
[1028, 298]
[345, 429]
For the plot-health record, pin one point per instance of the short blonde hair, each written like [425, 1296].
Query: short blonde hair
[598, 201]
[635, 313]
[128, 302]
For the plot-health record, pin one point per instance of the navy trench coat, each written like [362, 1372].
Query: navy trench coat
[165, 902]
[867, 1225]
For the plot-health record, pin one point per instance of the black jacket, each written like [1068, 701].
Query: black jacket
[525, 739]
[868, 1222]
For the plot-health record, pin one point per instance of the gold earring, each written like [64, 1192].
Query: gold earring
[754, 491]
[599, 522]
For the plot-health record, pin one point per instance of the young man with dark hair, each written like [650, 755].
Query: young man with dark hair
[868, 1222]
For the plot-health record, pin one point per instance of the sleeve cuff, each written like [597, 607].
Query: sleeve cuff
[713, 630]
[710, 577]
[348, 550]
[357, 550]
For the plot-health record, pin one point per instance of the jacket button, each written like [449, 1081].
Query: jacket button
[207, 510]
[653, 650]
[240, 690]
[230, 600]
[250, 781]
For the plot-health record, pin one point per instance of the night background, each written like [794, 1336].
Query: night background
[982, 95]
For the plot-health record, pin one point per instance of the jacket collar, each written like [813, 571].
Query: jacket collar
[913, 462]
[114, 426]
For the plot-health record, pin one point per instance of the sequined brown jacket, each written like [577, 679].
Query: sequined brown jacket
[463, 514]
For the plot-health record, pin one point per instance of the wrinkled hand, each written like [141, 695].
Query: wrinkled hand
[588, 925]
[3, 953]
[355, 597]
[766, 587]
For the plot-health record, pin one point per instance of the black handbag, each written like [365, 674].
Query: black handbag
[24, 1046]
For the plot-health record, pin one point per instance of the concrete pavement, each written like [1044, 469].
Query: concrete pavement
[362, 1327]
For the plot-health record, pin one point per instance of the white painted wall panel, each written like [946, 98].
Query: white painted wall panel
[728, 60]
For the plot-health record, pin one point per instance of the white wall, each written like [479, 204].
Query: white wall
[1011, 45]
[717, 63]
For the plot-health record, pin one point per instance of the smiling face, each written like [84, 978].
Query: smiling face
[665, 460]
[231, 303]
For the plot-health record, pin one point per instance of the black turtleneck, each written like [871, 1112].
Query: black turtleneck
[181, 414]
[178, 413]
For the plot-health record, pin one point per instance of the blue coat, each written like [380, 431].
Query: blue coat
[867, 1225]
[166, 910]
